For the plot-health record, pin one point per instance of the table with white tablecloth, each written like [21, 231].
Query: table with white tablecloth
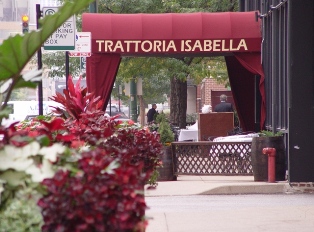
[237, 138]
[188, 135]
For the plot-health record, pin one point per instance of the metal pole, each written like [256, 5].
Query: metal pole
[133, 103]
[67, 69]
[40, 65]
[93, 7]
[119, 94]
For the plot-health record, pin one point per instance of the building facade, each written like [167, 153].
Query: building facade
[288, 61]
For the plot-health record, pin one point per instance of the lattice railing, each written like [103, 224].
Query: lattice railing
[212, 158]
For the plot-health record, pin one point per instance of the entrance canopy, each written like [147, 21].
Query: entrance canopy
[236, 35]
[171, 34]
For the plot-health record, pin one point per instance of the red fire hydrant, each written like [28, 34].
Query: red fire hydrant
[271, 152]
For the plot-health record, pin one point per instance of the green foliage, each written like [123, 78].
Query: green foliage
[58, 60]
[161, 117]
[166, 134]
[21, 215]
[223, 5]
[266, 133]
[153, 179]
[191, 118]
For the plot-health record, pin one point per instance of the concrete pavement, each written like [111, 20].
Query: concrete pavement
[226, 204]
[216, 185]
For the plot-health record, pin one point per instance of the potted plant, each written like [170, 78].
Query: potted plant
[260, 160]
[165, 172]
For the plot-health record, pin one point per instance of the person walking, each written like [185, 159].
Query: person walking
[224, 106]
[151, 113]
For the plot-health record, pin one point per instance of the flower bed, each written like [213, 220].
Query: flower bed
[88, 170]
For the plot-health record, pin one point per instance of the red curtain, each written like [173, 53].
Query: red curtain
[241, 69]
[101, 70]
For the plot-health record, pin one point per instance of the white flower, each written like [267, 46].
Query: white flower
[52, 152]
[20, 159]
[17, 158]
[38, 174]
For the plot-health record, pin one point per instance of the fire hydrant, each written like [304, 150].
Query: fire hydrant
[271, 152]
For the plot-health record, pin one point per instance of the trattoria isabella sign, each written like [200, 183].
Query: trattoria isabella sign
[170, 46]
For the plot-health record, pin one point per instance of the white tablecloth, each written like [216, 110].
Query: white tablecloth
[188, 135]
[237, 138]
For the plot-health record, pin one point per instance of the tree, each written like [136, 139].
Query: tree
[56, 62]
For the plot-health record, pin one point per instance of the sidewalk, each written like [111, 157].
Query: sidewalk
[216, 185]
[225, 204]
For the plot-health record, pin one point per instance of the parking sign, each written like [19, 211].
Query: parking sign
[63, 39]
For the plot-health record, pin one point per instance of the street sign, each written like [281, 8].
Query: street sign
[63, 38]
[82, 44]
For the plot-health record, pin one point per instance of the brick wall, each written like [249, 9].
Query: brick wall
[204, 91]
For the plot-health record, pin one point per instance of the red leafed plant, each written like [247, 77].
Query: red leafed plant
[43, 131]
[76, 100]
[105, 196]
[146, 147]
[105, 193]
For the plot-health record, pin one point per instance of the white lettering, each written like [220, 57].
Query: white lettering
[118, 46]
[189, 48]
[157, 45]
[207, 45]
[99, 42]
[216, 45]
[128, 44]
[242, 44]
[108, 45]
[197, 45]
[135, 46]
[231, 46]
[223, 46]
[150, 45]
[171, 45]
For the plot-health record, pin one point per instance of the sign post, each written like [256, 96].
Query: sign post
[63, 38]
[83, 64]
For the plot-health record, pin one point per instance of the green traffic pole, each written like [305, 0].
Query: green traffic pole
[93, 7]
[133, 103]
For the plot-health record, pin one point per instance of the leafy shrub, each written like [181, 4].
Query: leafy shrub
[266, 133]
[21, 215]
[191, 118]
[166, 134]
[105, 196]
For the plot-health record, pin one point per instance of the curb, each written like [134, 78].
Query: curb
[249, 189]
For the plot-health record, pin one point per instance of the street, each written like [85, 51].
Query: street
[223, 213]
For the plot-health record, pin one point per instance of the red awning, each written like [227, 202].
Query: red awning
[236, 35]
[173, 33]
